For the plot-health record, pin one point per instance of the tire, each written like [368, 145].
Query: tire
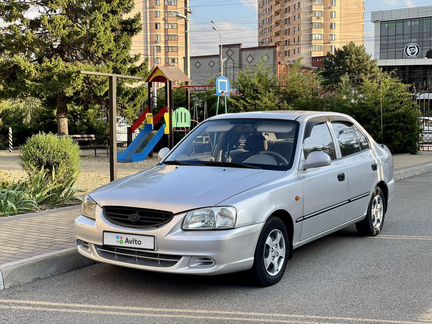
[374, 220]
[271, 254]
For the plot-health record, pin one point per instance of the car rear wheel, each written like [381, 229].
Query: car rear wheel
[271, 253]
[374, 221]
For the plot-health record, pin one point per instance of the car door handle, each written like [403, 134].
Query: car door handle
[341, 177]
[374, 167]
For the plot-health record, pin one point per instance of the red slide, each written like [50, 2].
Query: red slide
[142, 119]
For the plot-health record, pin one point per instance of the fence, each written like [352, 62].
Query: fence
[424, 100]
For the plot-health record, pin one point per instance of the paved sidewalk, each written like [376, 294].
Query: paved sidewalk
[25, 236]
[41, 235]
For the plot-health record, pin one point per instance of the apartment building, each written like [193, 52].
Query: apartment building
[403, 43]
[309, 29]
[162, 39]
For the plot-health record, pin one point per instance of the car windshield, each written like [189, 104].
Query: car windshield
[239, 143]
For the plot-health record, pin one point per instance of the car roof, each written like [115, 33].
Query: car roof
[298, 115]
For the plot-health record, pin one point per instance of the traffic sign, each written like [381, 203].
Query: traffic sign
[223, 87]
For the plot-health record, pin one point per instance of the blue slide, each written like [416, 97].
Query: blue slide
[142, 146]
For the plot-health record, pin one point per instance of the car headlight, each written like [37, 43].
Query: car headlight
[210, 219]
[88, 207]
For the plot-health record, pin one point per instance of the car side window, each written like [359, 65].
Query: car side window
[347, 136]
[364, 142]
[318, 138]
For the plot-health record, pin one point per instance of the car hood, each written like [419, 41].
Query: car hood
[180, 188]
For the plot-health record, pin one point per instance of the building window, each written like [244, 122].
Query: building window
[170, 2]
[171, 37]
[317, 36]
[333, 26]
[170, 26]
[158, 49]
[332, 37]
[157, 2]
[333, 14]
[157, 14]
[317, 2]
[158, 60]
[171, 49]
[158, 39]
[333, 3]
[171, 60]
[317, 14]
[170, 13]
[317, 48]
[157, 25]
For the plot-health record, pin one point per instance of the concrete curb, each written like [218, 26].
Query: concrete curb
[42, 266]
[412, 171]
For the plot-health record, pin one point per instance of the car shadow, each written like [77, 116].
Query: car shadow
[169, 282]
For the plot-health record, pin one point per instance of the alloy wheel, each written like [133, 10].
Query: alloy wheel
[377, 211]
[274, 252]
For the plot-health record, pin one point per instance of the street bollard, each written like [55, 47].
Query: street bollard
[10, 140]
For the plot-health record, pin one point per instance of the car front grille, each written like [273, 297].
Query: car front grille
[137, 217]
[138, 257]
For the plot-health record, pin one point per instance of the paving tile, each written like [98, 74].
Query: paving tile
[35, 234]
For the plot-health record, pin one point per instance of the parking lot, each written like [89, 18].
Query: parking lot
[339, 279]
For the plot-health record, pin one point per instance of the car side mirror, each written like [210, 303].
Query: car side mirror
[317, 159]
[163, 153]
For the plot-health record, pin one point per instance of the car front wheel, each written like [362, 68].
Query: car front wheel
[271, 253]
[374, 221]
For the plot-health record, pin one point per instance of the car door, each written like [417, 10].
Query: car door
[325, 189]
[360, 166]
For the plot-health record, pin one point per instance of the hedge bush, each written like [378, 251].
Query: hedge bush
[52, 164]
[57, 155]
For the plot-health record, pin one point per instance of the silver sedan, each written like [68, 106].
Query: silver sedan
[241, 192]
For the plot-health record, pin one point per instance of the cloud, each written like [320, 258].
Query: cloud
[400, 3]
[410, 3]
[250, 3]
[205, 41]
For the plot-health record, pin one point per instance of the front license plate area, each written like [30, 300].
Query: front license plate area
[143, 242]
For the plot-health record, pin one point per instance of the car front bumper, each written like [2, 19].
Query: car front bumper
[176, 251]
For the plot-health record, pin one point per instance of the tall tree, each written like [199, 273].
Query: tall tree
[45, 43]
[259, 90]
[299, 83]
[350, 60]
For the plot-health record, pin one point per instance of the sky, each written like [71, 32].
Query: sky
[237, 19]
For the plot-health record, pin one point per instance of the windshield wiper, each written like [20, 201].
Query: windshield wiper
[231, 165]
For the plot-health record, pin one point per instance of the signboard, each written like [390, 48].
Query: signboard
[412, 50]
[222, 87]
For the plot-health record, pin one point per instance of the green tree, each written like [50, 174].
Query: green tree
[299, 84]
[26, 117]
[350, 60]
[260, 91]
[44, 44]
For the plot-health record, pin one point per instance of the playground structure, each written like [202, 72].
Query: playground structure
[165, 122]
[158, 74]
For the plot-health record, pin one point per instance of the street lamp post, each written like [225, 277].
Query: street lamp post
[187, 12]
[216, 29]
[187, 37]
